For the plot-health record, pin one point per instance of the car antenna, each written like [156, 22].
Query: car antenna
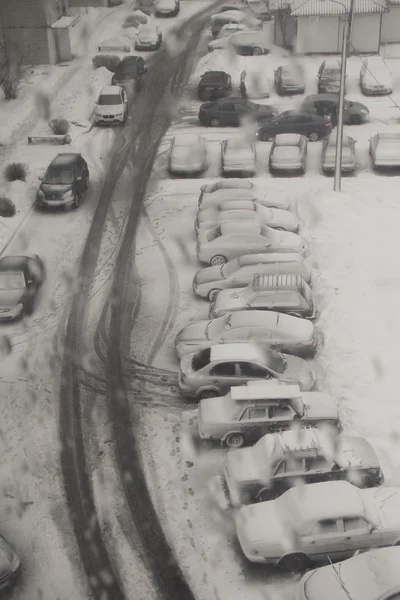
[340, 580]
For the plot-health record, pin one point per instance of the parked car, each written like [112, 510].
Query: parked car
[222, 40]
[213, 194]
[213, 371]
[230, 240]
[288, 154]
[214, 84]
[64, 182]
[281, 460]
[238, 157]
[328, 155]
[289, 79]
[20, 280]
[231, 7]
[148, 37]
[329, 76]
[327, 105]
[375, 77]
[131, 69]
[248, 412]
[279, 332]
[332, 519]
[373, 575]
[289, 294]
[384, 149]
[253, 42]
[245, 210]
[187, 155]
[167, 8]
[240, 272]
[308, 124]
[111, 105]
[231, 111]
[232, 17]
[259, 9]
[254, 84]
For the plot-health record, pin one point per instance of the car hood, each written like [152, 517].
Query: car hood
[298, 370]
[108, 110]
[207, 275]
[286, 239]
[10, 298]
[384, 80]
[260, 524]
[195, 332]
[227, 300]
[388, 152]
[241, 466]
[52, 189]
[387, 504]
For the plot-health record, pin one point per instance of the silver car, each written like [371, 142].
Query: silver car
[373, 575]
[212, 194]
[384, 149]
[187, 155]
[238, 157]
[213, 371]
[230, 240]
[239, 272]
[279, 332]
[246, 210]
[148, 37]
[254, 85]
[288, 154]
[328, 155]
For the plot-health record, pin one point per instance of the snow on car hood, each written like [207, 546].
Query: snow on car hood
[285, 154]
[319, 405]
[241, 466]
[261, 526]
[285, 239]
[390, 151]
[227, 300]
[193, 332]
[347, 154]
[147, 35]
[109, 110]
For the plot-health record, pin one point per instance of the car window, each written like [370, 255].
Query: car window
[240, 108]
[326, 526]
[255, 413]
[280, 412]
[281, 468]
[225, 369]
[314, 463]
[355, 524]
[227, 106]
[247, 369]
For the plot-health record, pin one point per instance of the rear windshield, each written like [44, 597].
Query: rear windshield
[201, 359]
[331, 73]
[109, 100]
[213, 234]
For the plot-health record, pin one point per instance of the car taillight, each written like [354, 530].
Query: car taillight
[328, 124]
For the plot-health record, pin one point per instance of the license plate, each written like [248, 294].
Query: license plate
[209, 88]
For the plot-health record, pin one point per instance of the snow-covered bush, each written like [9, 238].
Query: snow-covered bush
[15, 171]
[12, 71]
[7, 207]
[109, 61]
[59, 126]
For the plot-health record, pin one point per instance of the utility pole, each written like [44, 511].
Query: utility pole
[339, 138]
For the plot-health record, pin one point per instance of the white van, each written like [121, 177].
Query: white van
[375, 77]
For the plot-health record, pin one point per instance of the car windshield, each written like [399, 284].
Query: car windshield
[229, 268]
[109, 100]
[334, 73]
[275, 361]
[59, 175]
[11, 280]
[217, 327]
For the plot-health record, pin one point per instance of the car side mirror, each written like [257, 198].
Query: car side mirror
[40, 177]
[371, 528]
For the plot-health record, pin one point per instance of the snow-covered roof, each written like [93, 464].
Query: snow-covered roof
[262, 390]
[286, 153]
[328, 8]
[241, 227]
[288, 139]
[111, 90]
[235, 352]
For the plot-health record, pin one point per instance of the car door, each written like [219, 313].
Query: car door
[316, 469]
[247, 370]
[223, 375]
[253, 422]
[359, 534]
[226, 114]
[325, 538]
[258, 334]
[280, 416]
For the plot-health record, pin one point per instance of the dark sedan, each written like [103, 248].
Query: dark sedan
[20, 280]
[230, 112]
[130, 69]
[214, 84]
[312, 126]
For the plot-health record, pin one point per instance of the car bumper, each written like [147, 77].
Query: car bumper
[10, 315]
[286, 168]
[46, 203]
[330, 168]
[108, 119]
[376, 91]
[165, 12]
[186, 170]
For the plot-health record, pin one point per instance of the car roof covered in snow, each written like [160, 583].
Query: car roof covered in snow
[239, 227]
[110, 90]
[288, 139]
[65, 159]
[263, 390]
[291, 282]
[237, 351]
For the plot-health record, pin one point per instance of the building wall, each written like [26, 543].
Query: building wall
[390, 32]
[366, 33]
[317, 35]
[289, 24]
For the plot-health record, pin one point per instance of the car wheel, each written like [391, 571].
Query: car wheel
[355, 120]
[314, 136]
[28, 307]
[266, 137]
[77, 200]
[208, 394]
[257, 51]
[294, 563]
[235, 440]
[212, 293]
[214, 122]
[218, 260]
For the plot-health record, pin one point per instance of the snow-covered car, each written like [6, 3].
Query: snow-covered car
[213, 371]
[212, 194]
[259, 8]
[375, 77]
[148, 37]
[254, 85]
[231, 28]
[238, 157]
[245, 210]
[219, 43]
[111, 105]
[384, 149]
[65, 181]
[253, 42]
[249, 411]
[187, 155]
[279, 332]
[230, 240]
[289, 79]
[167, 8]
[327, 105]
[348, 161]
[228, 30]
[288, 154]
[228, 17]
[289, 294]
[20, 280]
[240, 271]
[312, 522]
[373, 575]
[281, 460]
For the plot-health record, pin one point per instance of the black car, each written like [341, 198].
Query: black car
[130, 69]
[329, 76]
[230, 111]
[214, 84]
[354, 113]
[20, 280]
[289, 80]
[64, 182]
[312, 126]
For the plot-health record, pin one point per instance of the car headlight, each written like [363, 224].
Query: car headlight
[17, 309]
[68, 194]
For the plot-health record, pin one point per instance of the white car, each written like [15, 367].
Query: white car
[375, 77]
[111, 105]
[240, 272]
[148, 37]
[246, 210]
[254, 85]
[348, 162]
[384, 149]
[212, 194]
[312, 522]
[167, 8]
[288, 154]
[230, 240]
[238, 157]
[187, 154]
